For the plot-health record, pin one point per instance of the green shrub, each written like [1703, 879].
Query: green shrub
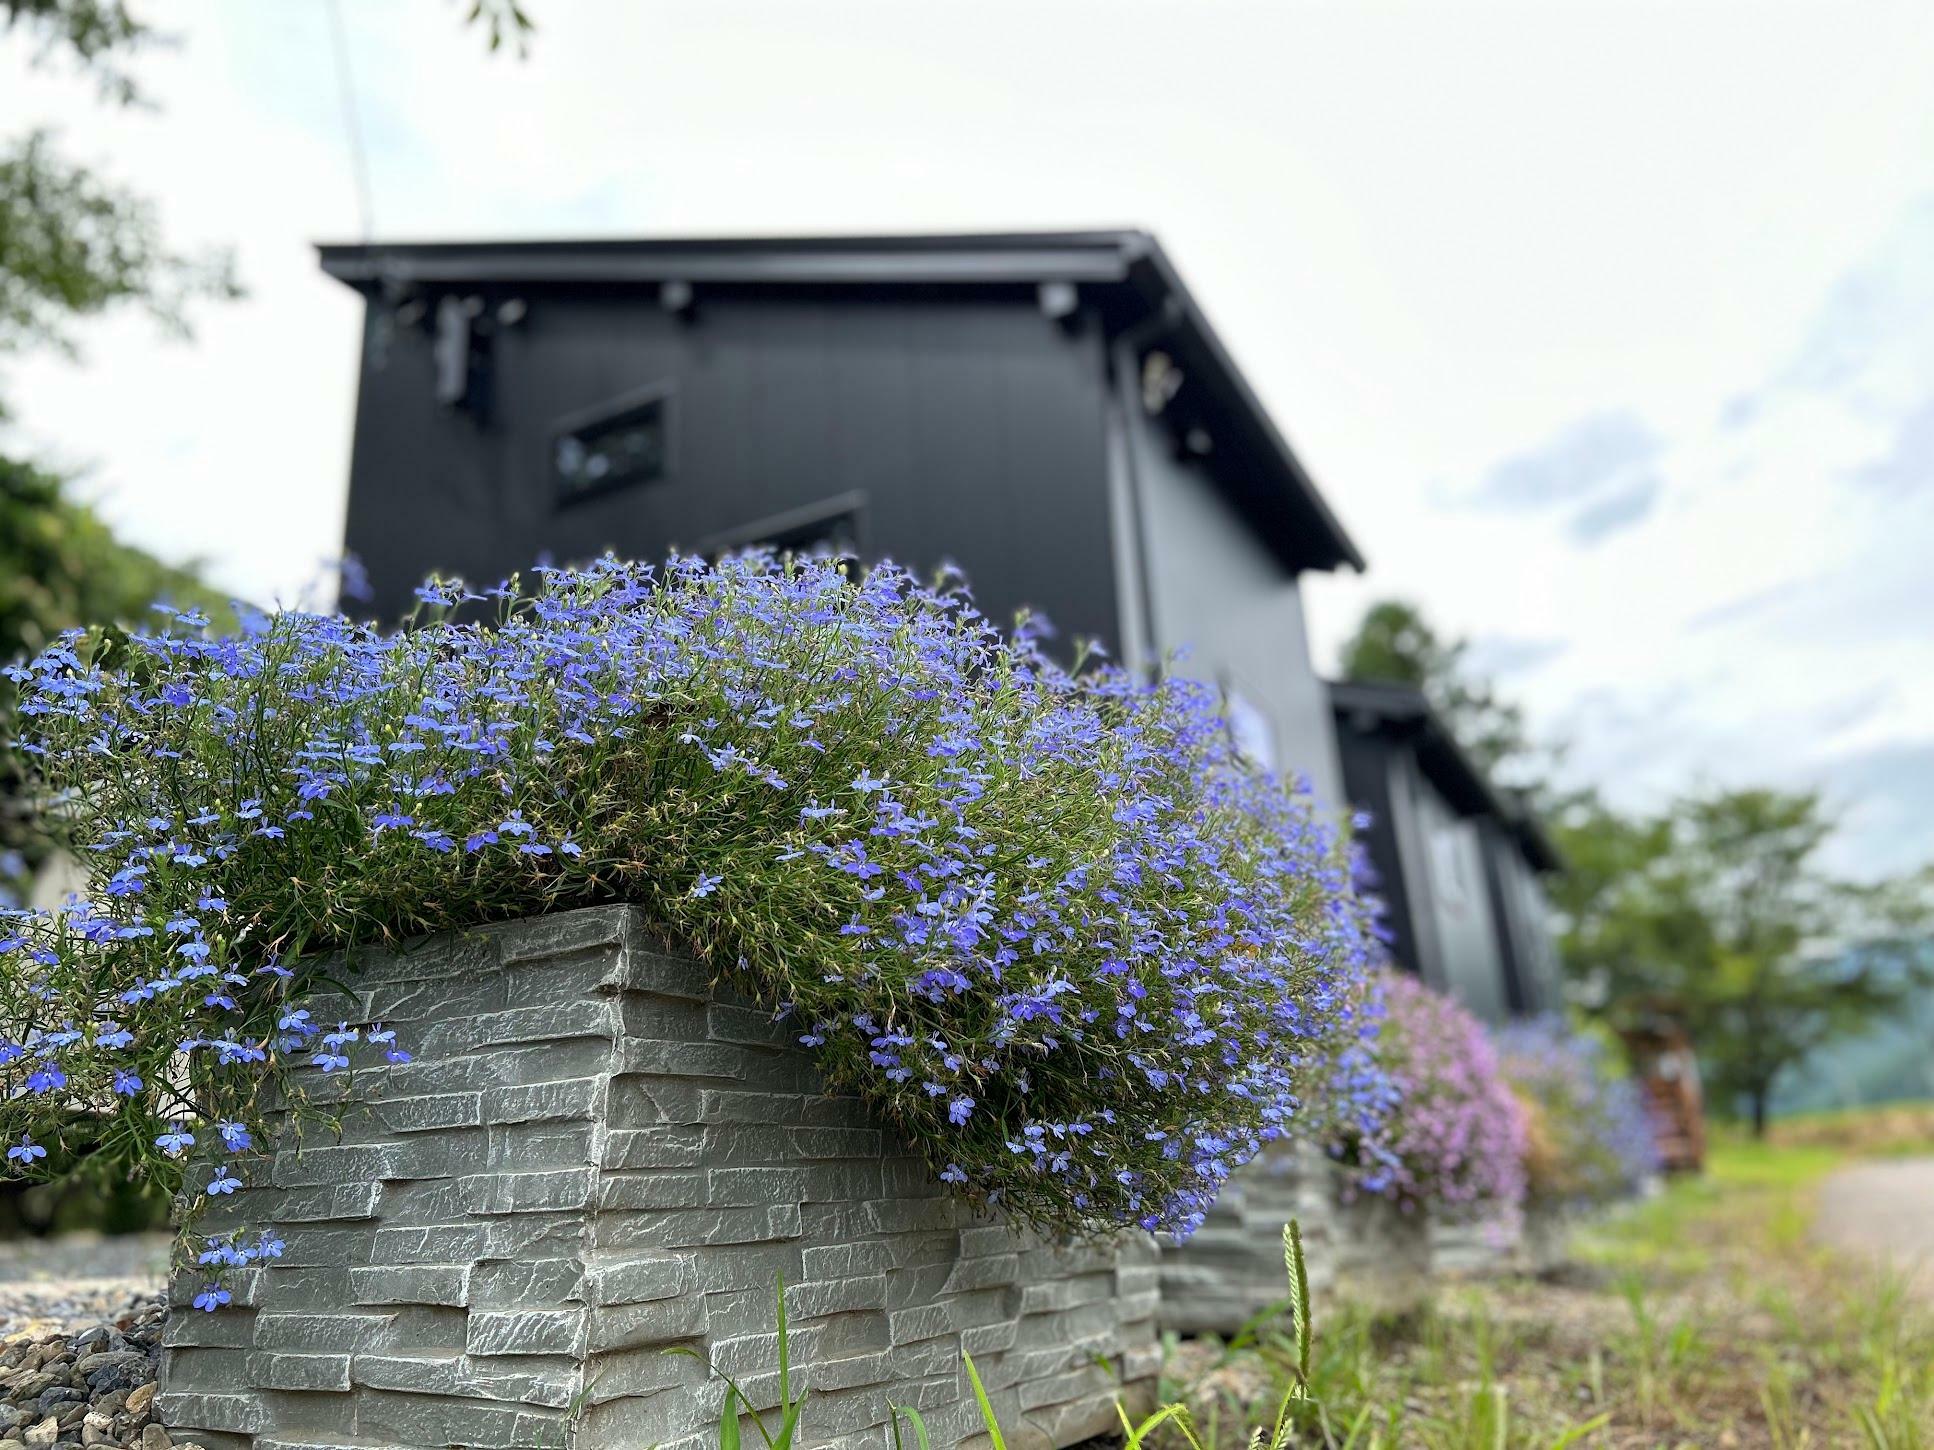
[1053, 927]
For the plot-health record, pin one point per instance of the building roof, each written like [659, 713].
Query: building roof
[1276, 494]
[1404, 713]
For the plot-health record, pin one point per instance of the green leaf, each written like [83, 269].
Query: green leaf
[1579, 1432]
[785, 1357]
[1141, 1432]
[790, 1426]
[986, 1409]
[919, 1426]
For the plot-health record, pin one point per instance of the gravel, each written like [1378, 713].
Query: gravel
[80, 1341]
[68, 1283]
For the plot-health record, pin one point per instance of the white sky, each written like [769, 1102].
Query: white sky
[1607, 329]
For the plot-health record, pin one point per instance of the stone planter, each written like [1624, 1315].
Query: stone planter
[1383, 1255]
[1537, 1242]
[1232, 1268]
[593, 1159]
[1362, 1249]
[1476, 1247]
[1544, 1247]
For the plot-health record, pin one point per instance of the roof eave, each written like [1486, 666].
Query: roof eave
[1293, 518]
[1331, 545]
[1072, 257]
[1407, 714]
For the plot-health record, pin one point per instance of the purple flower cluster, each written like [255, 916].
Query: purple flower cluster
[1590, 1139]
[1453, 1134]
[1050, 924]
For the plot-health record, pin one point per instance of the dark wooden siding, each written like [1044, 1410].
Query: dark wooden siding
[1366, 759]
[972, 424]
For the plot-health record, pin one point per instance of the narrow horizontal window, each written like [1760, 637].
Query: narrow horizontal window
[831, 526]
[617, 445]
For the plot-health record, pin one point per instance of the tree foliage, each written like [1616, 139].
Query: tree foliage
[73, 245]
[60, 566]
[94, 35]
[501, 21]
[1395, 645]
[1719, 913]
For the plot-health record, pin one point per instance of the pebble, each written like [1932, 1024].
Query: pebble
[85, 1385]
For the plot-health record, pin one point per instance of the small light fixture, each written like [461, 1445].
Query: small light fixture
[677, 297]
[1059, 300]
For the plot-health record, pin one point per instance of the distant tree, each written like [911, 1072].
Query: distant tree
[95, 35]
[1395, 645]
[1719, 914]
[503, 20]
[1608, 910]
[60, 567]
[74, 245]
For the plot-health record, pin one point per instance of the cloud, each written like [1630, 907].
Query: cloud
[1909, 463]
[1742, 410]
[1493, 655]
[1756, 605]
[1876, 315]
[1847, 712]
[1886, 799]
[1599, 470]
[1581, 460]
[1876, 593]
[1616, 511]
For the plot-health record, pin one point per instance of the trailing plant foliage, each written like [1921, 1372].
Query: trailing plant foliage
[1588, 1139]
[1051, 926]
[60, 567]
[1453, 1135]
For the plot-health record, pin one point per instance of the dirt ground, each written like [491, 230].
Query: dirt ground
[1884, 1211]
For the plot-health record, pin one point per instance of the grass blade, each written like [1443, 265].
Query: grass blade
[986, 1409]
[919, 1426]
[1578, 1432]
[1147, 1427]
[732, 1393]
[785, 1357]
[1299, 1291]
[790, 1426]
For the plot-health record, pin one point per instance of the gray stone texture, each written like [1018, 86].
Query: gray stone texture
[1536, 1242]
[1231, 1270]
[596, 1158]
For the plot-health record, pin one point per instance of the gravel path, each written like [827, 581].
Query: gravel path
[65, 1284]
[1884, 1210]
[80, 1340]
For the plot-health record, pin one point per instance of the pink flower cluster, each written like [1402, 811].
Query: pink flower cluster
[1454, 1141]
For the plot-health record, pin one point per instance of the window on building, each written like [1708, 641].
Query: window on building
[617, 444]
[829, 528]
[1450, 867]
[1249, 729]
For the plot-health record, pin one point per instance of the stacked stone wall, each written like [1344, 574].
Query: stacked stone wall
[1363, 1249]
[596, 1158]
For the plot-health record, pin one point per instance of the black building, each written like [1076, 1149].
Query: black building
[1051, 412]
[1459, 862]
